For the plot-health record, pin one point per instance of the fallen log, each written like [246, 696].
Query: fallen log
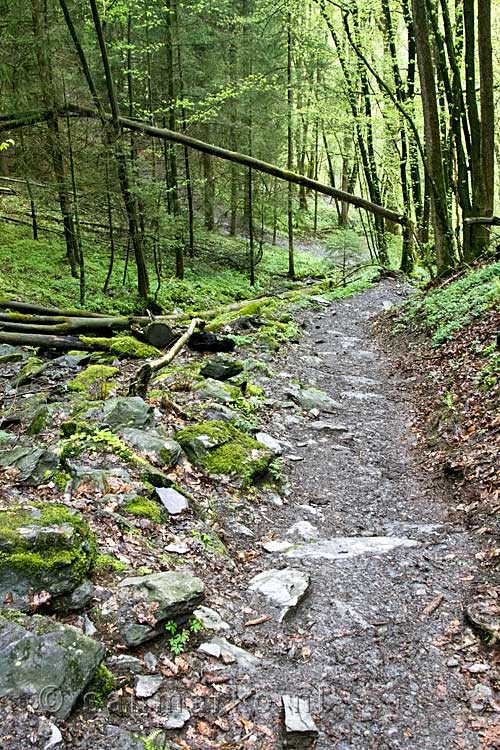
[45, 341]
[139, 386]
[28, 307]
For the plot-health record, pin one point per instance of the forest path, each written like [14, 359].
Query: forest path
[373, 643]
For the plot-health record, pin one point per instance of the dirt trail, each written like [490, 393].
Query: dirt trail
[364, 645]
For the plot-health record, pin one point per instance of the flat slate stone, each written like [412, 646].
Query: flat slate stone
[300, 729]
[342, 548]
[172, 500]
[284, 587]
[147, 685]
[231, 653]
[127, 411]
[163, 596]
[45, 660]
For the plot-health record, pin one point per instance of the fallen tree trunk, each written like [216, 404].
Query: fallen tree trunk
[28, 307]
[43, 340]
[139, 386]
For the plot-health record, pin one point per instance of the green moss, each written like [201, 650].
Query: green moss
[39, 420]
[144, 508]
[102, 685]
[127, 347]
[231, 452]
[94, 440]
[33, 367]
[105, 563]
[93, 381]
[39, 558]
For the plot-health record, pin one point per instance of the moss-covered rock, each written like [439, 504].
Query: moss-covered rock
[221, 448]
[35, 465]
[43, 547]
[40, 658]
[33, 367]
[94, 381]
[144, 508]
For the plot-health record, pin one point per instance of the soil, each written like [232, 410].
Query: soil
[379, 645]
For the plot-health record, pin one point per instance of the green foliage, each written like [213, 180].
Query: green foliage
[102, 685]
[454, 305]
[489, 376]
[210, 541]
[178, 638]
[95, 440]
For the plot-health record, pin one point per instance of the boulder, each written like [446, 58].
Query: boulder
[162, 450]
[269, 442]
[146, 603]
[44, 547]
[213, 390]
[100, 479]
[127, 411]
[47, 661]
[221, 448]
[36, 465]
[311, 398]
[221, 367]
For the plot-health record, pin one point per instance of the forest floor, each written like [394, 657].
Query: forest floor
[378, 646]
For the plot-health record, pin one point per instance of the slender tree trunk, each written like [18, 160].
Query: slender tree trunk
[291, 259]
[55, 148]
[443, 235]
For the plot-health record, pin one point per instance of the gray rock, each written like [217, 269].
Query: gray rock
[43, 659]
[300, 729]
[320, 425]
[342, 548]
[213, 390]
[310, 398]
[36, 465]
[118, 738]
[211, 649]
[303, 530]
[127, 411]
[147, 685]
[45, 548]
[162, 450]
[221, 367]
[159, 596]
[231, 653]
[210, 619]
[178, 548]
[172, 500]
[101, 479]
[50, 733]
[77, 599]
[222, 413]
[284, 587]
[10, 353]
[125, 664]
[269, 442]
[176, 719]
[151, 661]
[484, 614]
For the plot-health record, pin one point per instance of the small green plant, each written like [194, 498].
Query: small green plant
[150, 742]
[210, 541]
[449, 400]
[178, 638]
[107, 563]
[95, 440]
[275, 470]
[489, 376]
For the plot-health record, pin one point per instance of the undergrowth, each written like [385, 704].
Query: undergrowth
[454, 305]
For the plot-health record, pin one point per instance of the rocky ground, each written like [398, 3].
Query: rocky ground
[337, 575]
